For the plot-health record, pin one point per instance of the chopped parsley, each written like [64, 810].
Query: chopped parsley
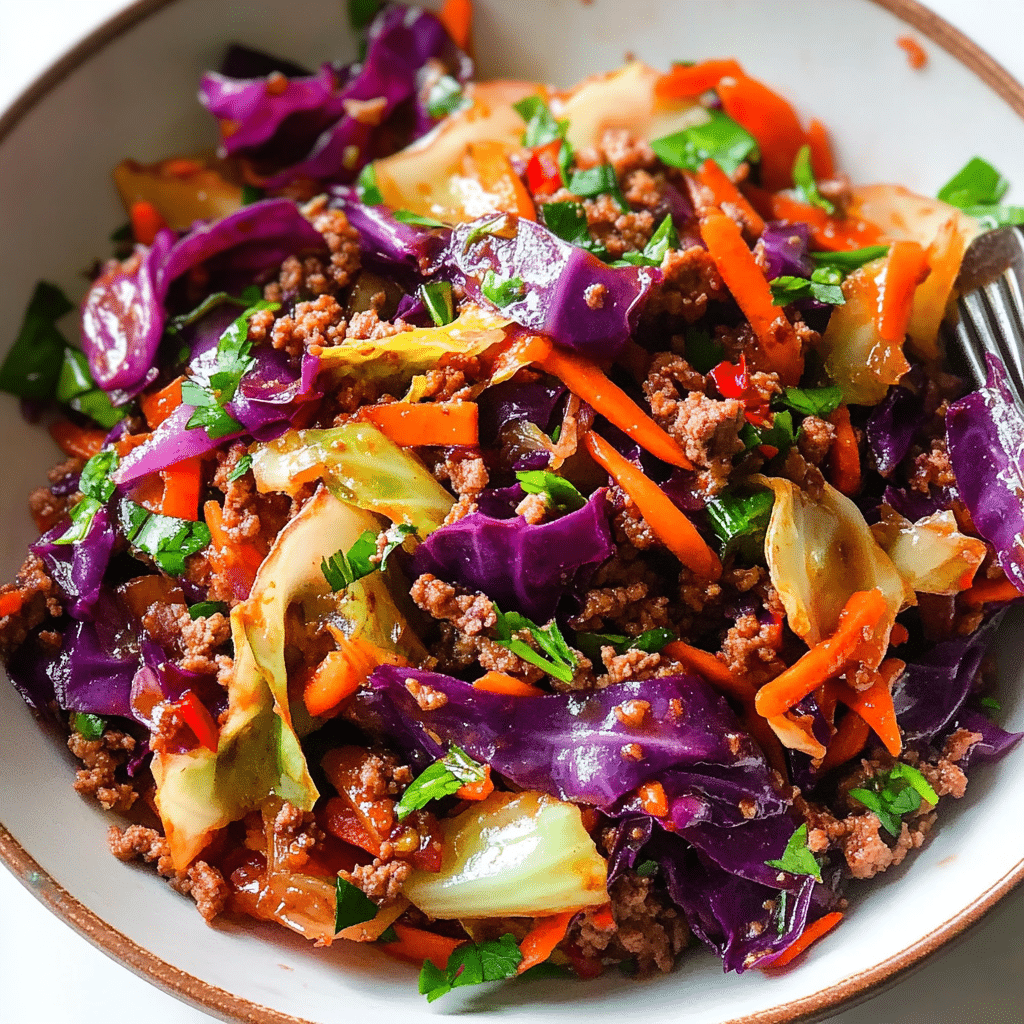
[437, 297]
[33, 365]
[541, 126]
[596, 181]
[813, 401]
[204, 609]
[560, 662]
[177, 323]
[893, 793]
[977, 189]
[90, 726]
[805, 184]
[847, 262]
[664, 239]
[740, 520]
[568, 221]
[720, 139]
[650, 642]
[797, 858]
[168, 541]
[77, 390]
[648, 869]
[97, 489]
[367, 188]
[345, 567]
[990, 704]
[443, 778]
[351, 905]
[822, 285]
[559, 494]
[703, 353]
[242, 467]
[445, 97]
[502, 291]
[471, 964]
[778, 435]
[416, 219]
[492, 226]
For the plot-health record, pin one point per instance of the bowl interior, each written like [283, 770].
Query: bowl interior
[837, 61]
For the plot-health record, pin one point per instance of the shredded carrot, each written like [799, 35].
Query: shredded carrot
[749, 287]
[488, 163]
[181, 167]
[863, 611]
[602, 918]
[158, 405]
[822, 162]
[848, 742]
[477, 790]
[338, 676]
[771, 120]
[721, 186]
[916, 56]
[875, 705]
[899, 635]
[990, 592]
[237, 561]
[844, 454]
[417, 945]
[587, 380]
[836, 234]
[146, 221]
[11, 602]
[666, 521]
[905, 268]
[182, 483]
[542, 938]
[457, 18]
[425, 423]
[653, 799]
[75, 440]
[710, 669]
[500, 682]
[811, 933]
[685, 81]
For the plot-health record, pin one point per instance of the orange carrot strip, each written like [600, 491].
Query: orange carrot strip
[989, 592]
[844, 455]
[146, 221]
[431, 423]
[832, 233]
[916, 55]
[11, 602]
[457, 18]
[477, 790]
[875, 705]
[417, 945]
[244, 557]
[710, 669]
[586, 379]
[670, 525]
[749, 287]
[848, 742]
[488, 163]
[811, 933]
[771, 120]
[862, 612]
[74, 440]
[905, 268]
[338, 676]
[158, 405]
[712, 177]
[500, 682]
[684, 81]
[653, 799]
[541, 939]
[821, 150]
[603, 918]
[182, 483]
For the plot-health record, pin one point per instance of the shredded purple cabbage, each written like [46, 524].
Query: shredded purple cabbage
[785, 248]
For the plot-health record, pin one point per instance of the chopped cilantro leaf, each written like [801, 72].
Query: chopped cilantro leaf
[445, 97]
[847, 262]
[168, 541]
[541, 126]
[216, 420]
[417, 220]
[90, 726]
[990, 704]
[388, 935]
[492, 226]
[797, 858]
[893, 793]
[443, 778]
[437, 297]
[740, 521]
[813, 401]
[992, 216]
[367, 188]
[345, 567]
[596, 181]
[82, 516]
[787, 289]
[664, 239]
[702, 352]
[720, 139]
[650, 642]
[177, 323]
[351, 905]
[33, 365]
[338, 571]
[779, 434]
[977, 183]
[647, 869]
[502, 291]
[242, 467]
[560, 661]
[803, 180]
[471, 964]
[568, 221]
[97, 489]
[77, 389]
[204, 609]
[559, 494]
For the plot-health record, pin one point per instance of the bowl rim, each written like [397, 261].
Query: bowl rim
[212, 999]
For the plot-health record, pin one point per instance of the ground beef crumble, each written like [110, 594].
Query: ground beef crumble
[100, 777]
[40, 600]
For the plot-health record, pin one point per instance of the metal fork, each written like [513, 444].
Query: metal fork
[990, 311]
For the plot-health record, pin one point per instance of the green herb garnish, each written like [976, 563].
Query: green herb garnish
[703, 353]
[97, 489]
[443, 778]
[559, 494]
[787, 289]
[77, 390]
[650, 642]
[445, 97]
[560, 662]
[367, 188]
[847, 262]
[417, 219]
[204, 609]
[471, 964]
[345, 567]
[664, 239]
[242, 467]
[351, 906]
[893, 793]
[596, 181]
[168, 541]
[740, 521]
[804, 182]
[720, 139]
[33, 365]
[797, 858]
[437, 297]
[976, 183]
[502, 291]
[541, 126]
[813, 401]
[90, 726]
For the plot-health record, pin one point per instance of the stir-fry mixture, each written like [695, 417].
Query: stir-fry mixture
[521, 529]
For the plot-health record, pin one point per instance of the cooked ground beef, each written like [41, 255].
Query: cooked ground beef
[39, 597]
[101, 776]
[690, 281]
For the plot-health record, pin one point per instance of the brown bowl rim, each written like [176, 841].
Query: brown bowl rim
[229, 1007]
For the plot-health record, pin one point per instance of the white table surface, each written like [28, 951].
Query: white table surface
[49, 975]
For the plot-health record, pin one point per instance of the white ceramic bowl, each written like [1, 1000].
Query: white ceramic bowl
[839, 62]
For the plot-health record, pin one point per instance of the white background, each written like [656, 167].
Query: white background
[49, 975]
